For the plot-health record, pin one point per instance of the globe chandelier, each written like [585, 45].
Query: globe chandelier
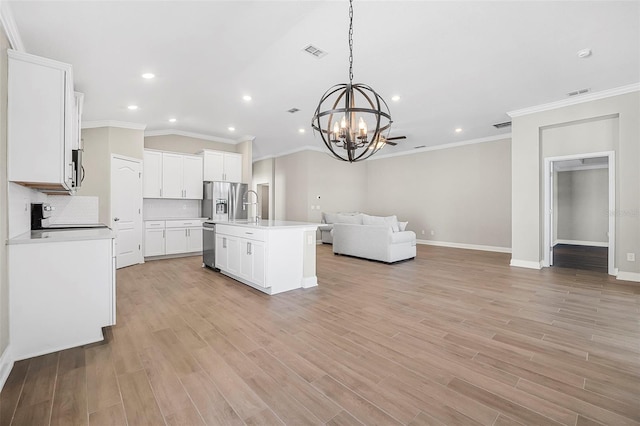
[352, 119]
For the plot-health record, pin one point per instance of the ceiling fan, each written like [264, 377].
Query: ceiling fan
[388, 141]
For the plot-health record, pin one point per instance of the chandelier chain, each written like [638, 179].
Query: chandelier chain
[350, 41]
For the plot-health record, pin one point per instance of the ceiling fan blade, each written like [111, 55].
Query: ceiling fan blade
[390, 143]
[396, 137]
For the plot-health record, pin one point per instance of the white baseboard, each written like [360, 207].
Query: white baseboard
[628, 276]
[525, 264]
[6, 364]
[465, 246]
[582, 243]
[308, 282]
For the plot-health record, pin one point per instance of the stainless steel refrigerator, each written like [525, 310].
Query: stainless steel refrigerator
[223, 201]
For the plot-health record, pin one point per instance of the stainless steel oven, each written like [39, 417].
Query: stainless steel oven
[209, 245]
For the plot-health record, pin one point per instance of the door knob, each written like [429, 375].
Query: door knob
[115, 219]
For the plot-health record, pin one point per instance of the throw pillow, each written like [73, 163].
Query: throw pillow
[329, 217]
[390, 221]
[351, 219]
[403, 226]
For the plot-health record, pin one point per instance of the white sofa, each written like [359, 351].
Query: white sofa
[375, 242]
[370, 237]
[328, 219]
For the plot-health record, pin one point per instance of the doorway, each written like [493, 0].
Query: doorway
[263, 197]
[579, 193]
[126, 209]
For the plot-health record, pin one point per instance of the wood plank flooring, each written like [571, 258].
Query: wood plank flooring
[452, 337]
[581, 257]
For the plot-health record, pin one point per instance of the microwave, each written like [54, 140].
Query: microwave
[78, 170]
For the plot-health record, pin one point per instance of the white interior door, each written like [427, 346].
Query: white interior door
[126, 209]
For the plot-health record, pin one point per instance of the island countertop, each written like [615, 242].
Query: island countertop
[267, 224]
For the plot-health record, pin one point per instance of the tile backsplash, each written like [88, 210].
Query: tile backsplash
[74, 209]
[155, 209]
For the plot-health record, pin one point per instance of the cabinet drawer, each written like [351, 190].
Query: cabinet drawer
[183, 223]
[243, 232]
[150, 224]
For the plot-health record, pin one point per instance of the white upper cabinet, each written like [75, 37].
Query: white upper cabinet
[172, 175]
[192, 177]
[41, 114]
[233, 167]
[152, 172]
[222, 166]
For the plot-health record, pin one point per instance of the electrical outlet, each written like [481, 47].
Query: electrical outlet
[433, 232]
[422, 232]
[631, 257]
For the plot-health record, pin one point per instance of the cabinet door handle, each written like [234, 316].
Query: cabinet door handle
[248, 248]
[163, 233]
[224, 242]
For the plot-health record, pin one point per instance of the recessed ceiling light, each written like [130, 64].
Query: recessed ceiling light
[301, 130]
[246, 97]
[232, 129]
[458, 130]
[584, 53]
[172, 120]
[148, 75]
[395, 98]
[133, 107]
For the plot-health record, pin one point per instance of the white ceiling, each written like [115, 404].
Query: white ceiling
[454, 64]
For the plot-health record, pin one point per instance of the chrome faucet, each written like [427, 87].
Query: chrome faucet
[257, 218]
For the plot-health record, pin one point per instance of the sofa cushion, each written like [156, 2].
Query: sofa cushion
[403, 226]
[351, 219]
[348, 217]
[390, 221]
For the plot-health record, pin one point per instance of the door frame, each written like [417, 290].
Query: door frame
[141, 180]
[549, 208]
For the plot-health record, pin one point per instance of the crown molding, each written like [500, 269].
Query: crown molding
[166, 132]
[10, 27]
[443, 146]
[396, 154]
[113, 123]
[589, 97]
[293, 151]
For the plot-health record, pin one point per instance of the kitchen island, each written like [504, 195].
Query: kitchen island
[272, 256]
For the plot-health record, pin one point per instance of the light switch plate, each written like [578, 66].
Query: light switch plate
[631, 257]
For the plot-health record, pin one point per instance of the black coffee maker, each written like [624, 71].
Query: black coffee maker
[40, 213]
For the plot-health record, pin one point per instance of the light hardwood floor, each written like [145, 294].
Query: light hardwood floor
[452, 337]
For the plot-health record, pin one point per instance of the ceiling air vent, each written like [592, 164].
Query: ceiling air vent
[293, 110]
[502, 125]
[578, 92]
[314, 51]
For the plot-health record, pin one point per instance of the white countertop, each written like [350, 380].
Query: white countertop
[175, 218]
[268, 224]
[44, 236]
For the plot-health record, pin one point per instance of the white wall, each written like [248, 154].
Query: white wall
[99, 144]
[4, 211]
[583, 205]
[586, 127]
[462, 194]
[185, 144]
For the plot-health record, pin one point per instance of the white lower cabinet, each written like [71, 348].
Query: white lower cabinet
[243, 256]
[227, 250]
[62, 294]
[252, 261]
[153, 242]
[172, 237]
[272, 257]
